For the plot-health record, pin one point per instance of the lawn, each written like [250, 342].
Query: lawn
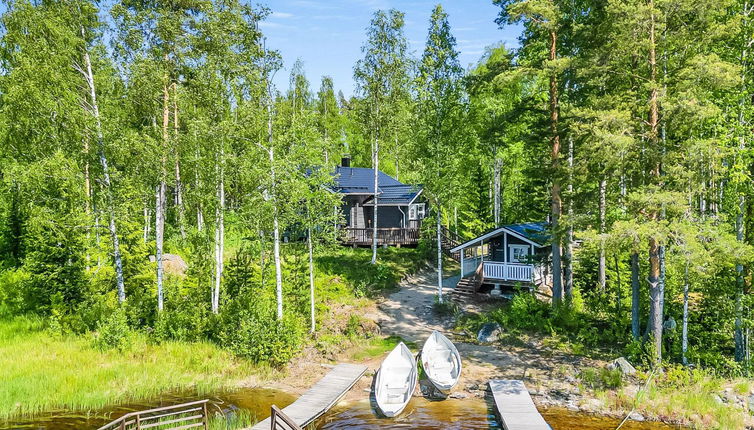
[43, 372]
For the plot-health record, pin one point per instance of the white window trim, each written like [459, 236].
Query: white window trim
[525, 249]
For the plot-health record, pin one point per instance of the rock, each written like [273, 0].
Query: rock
[719, 400]
[172, 264]
[489, 333]
[472, 387]
[573, 408]
[750, 403]
[592, 405]
[458, 395]
[635, 416]
[623, 365]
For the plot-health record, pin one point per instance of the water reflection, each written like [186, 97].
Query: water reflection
[256, 401]
[421, 414]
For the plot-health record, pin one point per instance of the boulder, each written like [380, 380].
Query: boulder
[172, 264]
[635, 416]
[623, 365]
[489, 333]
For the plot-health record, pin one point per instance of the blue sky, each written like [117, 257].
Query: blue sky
[327, 35]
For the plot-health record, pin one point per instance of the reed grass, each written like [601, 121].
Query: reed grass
[43, 372]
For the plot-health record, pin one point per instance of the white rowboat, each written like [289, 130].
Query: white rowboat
[441, 361]
[396, 381]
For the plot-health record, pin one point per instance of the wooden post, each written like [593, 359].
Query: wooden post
[205, 418]
[462, 262]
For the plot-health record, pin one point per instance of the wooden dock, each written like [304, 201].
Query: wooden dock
[321, 397]
[515, 407]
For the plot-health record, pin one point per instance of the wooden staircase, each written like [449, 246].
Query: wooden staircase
[466, 288]
[450, 240]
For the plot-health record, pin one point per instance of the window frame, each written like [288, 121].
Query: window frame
[417, 211]
[511, 255]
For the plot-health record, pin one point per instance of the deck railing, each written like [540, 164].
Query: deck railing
[508, 271]
[385, 236]
[183, 416]
[282, 421]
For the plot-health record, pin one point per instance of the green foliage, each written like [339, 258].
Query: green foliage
[257, 335]
[601, 378]
[113, 332]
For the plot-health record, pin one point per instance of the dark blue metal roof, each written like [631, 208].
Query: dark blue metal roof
[398, 194]
[360, 180]
[534, 231]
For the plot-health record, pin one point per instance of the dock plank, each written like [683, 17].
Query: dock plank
[515, 406]
[321, 397]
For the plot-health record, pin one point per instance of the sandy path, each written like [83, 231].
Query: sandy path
[408, 313]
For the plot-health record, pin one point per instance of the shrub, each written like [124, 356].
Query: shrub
[12, 284]
[601, 378]
[257, 335]
[446, 308]
[113, 332]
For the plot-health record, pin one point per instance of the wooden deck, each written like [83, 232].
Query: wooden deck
[385, 236]
[321, 397]
[515, 407]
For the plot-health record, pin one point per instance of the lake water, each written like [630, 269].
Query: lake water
[419, 414]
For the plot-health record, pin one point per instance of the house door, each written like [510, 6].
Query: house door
[518, 253]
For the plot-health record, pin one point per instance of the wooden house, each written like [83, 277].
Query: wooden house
[516, 254]
[400, 207]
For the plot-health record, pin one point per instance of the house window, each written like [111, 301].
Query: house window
[518, 253]
[416, 211]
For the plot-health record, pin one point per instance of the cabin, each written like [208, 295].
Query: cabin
[507, 256]
[400, 207]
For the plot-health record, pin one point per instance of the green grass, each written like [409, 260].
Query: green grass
[43, 372]
[378, 346]
[353, 267]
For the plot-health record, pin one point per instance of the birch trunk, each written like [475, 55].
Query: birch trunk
[219, 233]
[738, 335]
[112, 227]
[557, 284]
[685, 328]
[496, 210]
[311, 279]
[158, 234]
[376, 165]
[601, 275]
[656, 288]
[160, 206]
[178, 182]
[439, 254]
[738, 332]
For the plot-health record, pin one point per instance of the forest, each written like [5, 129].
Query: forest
[134, 131]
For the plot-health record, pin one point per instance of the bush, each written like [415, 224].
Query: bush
[12, 284]
[601, 378]
[113, 332]
[255, 333]
[446, 308]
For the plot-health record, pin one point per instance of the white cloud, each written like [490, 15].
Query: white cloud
[282, 15]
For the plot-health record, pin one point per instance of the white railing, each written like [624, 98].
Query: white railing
[508, 271]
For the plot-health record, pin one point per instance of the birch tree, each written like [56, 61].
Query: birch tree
[382, 78]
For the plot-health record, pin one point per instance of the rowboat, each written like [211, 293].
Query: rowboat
[441, 361]
[396, 381]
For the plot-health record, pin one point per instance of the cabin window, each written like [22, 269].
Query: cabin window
[519, 253]
[416, 211]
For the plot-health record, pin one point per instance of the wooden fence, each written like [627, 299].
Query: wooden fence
[183, 416]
